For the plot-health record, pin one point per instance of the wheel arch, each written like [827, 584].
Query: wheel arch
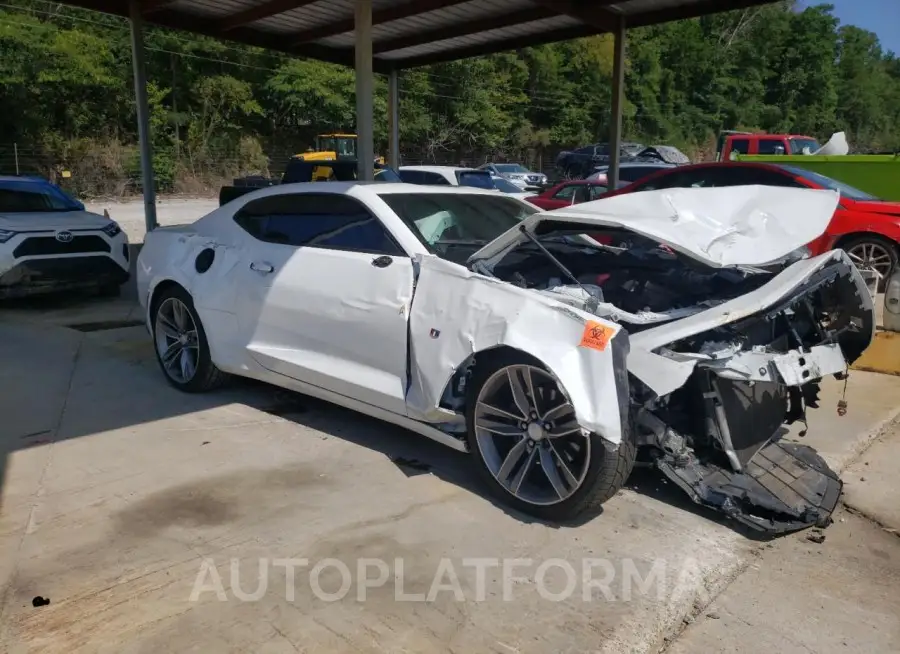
[866, 233]
[156, 291]
[453, 395]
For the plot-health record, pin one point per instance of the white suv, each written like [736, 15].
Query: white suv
[48, 242]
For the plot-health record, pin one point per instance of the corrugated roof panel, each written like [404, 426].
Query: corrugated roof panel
[203, 17]
[500, 34]
[631, 7]
[308, 17]
[432, 20]
[211, 8]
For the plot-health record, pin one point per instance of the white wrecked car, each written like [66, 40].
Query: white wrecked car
[471, 318]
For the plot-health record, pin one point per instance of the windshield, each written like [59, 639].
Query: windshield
[344, 147]
[387, 175]
[505, 185]
[845, 190]
[444, 221]
[34, 197]
[510, 168]
[475, 178]
[797, 145]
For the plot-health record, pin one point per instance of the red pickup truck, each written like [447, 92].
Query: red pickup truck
[748, 143]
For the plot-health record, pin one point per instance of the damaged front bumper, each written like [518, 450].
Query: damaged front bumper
[719, 435]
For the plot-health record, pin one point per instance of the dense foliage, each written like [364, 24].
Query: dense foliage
[66, 97]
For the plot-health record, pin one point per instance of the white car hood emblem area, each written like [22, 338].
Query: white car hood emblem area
[726, 226]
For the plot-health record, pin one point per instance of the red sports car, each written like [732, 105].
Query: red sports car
[573, 191]
[867, 228]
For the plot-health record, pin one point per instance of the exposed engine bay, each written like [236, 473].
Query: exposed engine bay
[638, 284]
[719, 434]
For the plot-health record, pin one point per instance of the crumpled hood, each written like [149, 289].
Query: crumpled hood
[52, 221]
[728, 226]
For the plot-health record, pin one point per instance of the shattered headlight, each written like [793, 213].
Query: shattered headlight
[6, 234]
[112, 229]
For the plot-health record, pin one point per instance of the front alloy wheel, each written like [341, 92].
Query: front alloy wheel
[528, 444]
[872, 254]
[528, 436]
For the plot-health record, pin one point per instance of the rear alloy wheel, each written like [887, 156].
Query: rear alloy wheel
[872, 253]
[181, 346]
[529, 445]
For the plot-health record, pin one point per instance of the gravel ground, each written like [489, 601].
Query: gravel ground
[130, 215]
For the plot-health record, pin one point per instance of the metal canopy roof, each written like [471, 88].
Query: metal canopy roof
[409, 33]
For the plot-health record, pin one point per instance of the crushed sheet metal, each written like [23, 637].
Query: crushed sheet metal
[797, 368]
[472, 314]
[733, 226]
[746, 305]
[793, 368]
[661, 374]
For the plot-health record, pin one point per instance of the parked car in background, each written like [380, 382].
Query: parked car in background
[577, 164]
[629, 171]
[517, 174]
[299, 170]
[446, 176]
[731, 143]
[866, 227]
[48, 242]
[664, 154]
[570, 192]
[506, 186]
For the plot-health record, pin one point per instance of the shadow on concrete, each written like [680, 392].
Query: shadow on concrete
[106, 392]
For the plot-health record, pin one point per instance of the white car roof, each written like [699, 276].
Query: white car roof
[362, 189]
[439, 169]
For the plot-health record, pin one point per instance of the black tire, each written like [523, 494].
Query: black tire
[890, 246]
[207, 377]
[606, 474]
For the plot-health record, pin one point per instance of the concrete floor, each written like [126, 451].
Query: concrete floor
[117, 488]
[169, 211]
[799, 596]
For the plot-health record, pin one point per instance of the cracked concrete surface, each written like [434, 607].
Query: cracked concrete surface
[116, 488]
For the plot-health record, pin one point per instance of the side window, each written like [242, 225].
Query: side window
[566, 192]
[435, 179]
[770, 146]
[634, 173]
[741, 146]
[678, 179]
[717, 176]
[597, 191]
[770, 178]
[583, 194]
[411, 176]
[319, 220]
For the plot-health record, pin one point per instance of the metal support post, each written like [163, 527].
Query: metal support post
[618, 100]
[365, 146]
[394, 119]
[143, 112]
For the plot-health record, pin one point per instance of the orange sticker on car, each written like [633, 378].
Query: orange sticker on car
[596, 336]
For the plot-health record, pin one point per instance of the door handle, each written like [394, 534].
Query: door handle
[262, 267]
[382, 262]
